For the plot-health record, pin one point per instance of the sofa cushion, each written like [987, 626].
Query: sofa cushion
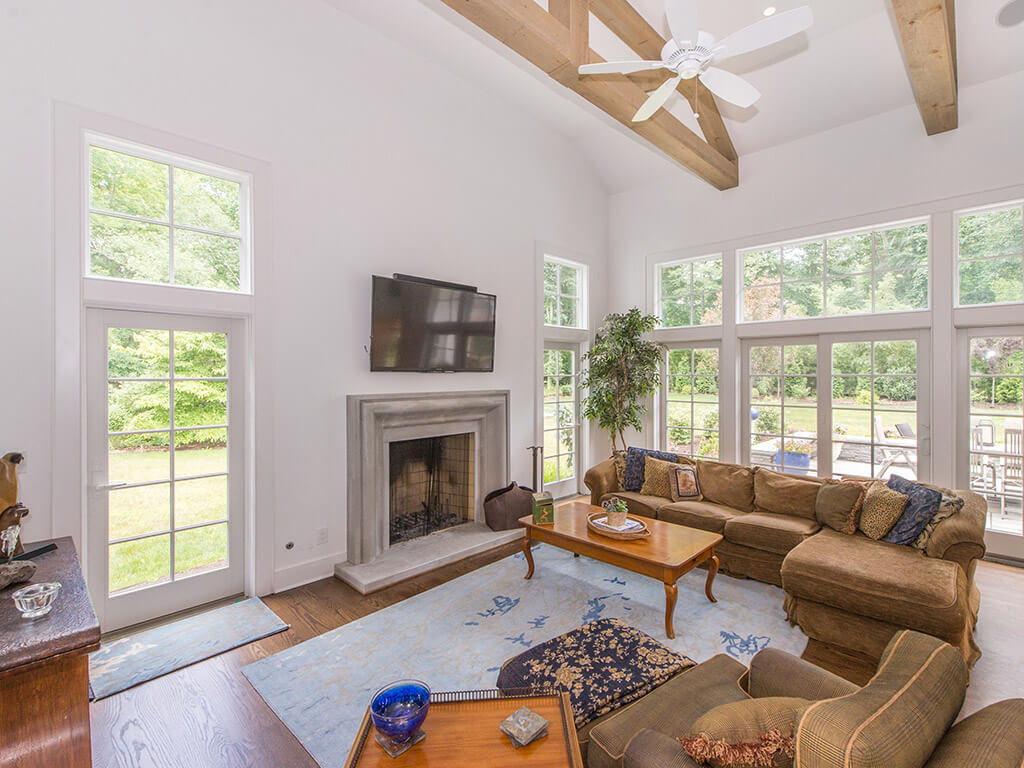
[743, 734]
[897, 719]
[699, 514]
[683, 484]
[882, 508]
[838, 505]
[922, 504]
[948, 507]
[671, 708]
[635, 462]
[619, 459]
[992, 737]
[895, 584]
[770, 532]
[728, 484]
[658, 478]
[638, 503]
[785, 494]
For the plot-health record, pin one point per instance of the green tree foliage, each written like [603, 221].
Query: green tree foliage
[621, 370]
[990, 257]
[142, 405]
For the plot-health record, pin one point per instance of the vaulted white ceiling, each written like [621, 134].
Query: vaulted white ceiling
[848, 66]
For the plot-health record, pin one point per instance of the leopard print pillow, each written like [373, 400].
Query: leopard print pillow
[882, 508]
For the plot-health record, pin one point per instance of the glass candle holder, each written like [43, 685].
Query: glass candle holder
[398, 710]
[36, 599]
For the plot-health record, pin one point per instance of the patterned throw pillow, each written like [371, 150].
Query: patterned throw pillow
[619, 459]
[948, 507]
[683, 485]
[657, 477]
[882, 508]
[922, 504]
[635, 458]
[752, 733]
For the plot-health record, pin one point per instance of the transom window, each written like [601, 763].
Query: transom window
[158, 218]
[990, 256]
[879, 270]
[690, 292]
[564, 291]
[691, 402]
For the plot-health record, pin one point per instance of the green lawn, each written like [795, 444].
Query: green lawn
[147, 509]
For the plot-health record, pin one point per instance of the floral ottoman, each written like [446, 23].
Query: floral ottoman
[603, 665]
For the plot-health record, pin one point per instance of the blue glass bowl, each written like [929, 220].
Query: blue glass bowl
[398, 709]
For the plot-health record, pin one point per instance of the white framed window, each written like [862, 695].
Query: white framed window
[990, 255]
[881, 269]
[690, 401]
[689, 292]
[155, 217]
[561, 418]
[565, 292]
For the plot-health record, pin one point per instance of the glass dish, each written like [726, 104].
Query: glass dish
[398, 709]
[36, 599]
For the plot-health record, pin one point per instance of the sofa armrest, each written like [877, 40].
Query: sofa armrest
[601, 479]
[961, 538]
[651, 749]
[777, 673]
[992, 737]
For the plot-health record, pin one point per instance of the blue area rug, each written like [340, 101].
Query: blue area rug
[457, 635]
[137, 658]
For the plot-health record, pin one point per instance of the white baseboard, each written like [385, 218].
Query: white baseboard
[308, 571]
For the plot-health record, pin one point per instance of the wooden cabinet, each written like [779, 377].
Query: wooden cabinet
[44, 670]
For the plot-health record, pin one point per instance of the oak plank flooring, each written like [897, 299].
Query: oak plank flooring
[208, 715]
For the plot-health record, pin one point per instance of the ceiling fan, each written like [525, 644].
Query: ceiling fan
[1012, 13]
[691, 52]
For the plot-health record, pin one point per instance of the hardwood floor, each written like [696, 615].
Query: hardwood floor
[208, 716]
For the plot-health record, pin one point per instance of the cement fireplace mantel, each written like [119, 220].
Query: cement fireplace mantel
[374, 421]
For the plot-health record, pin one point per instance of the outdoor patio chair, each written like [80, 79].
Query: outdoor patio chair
[988, 431]
[1013, 466]
[894, 453]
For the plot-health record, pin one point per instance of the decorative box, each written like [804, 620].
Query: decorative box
[523, 726]
[543, 508]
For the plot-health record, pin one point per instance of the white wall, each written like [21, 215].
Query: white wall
[381, 162]
[874, 165]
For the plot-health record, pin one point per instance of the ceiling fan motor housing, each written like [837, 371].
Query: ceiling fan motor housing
[688, 61]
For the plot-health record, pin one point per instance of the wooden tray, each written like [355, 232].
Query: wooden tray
[462, 729]
[621, 536]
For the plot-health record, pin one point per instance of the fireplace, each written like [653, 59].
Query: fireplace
[430, 485]
[421, 464]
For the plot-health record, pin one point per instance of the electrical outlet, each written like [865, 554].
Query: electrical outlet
[321, 536]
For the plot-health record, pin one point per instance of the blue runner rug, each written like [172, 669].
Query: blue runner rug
[457, 635]
[137, 658]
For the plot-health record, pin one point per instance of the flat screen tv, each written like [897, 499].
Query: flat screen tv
[423, 325]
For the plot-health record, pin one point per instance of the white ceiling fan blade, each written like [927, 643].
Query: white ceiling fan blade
[765, 32]
[730, 87]
[682, 19]
[619, 67]
[656, 99]
[1011, 14]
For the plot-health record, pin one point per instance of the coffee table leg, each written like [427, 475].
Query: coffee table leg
[671, 592]
[712, 570]
[529, 556]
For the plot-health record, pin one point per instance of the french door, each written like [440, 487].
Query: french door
[165, 462]
[561, 422]
[990, 426]
[839, 404]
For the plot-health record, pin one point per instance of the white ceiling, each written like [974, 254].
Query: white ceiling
[848, 66]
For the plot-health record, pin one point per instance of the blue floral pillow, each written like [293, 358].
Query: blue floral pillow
[922, 504]
[635, 461]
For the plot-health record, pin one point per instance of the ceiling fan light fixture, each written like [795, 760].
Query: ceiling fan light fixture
[770, 10]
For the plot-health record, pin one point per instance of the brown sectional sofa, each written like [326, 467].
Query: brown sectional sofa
[848, 593]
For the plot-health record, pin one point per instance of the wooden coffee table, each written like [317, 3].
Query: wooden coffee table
[670, 551]
[462, 730]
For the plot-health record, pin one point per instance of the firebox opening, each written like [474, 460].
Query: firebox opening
[430, 485]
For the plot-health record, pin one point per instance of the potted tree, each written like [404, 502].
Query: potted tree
[621, 371]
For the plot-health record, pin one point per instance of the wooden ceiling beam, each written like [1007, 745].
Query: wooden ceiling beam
[574, 16]
[629, 26]
[928, 33]
[539, 37]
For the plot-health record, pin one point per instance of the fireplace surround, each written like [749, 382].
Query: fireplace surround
[374, 424]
